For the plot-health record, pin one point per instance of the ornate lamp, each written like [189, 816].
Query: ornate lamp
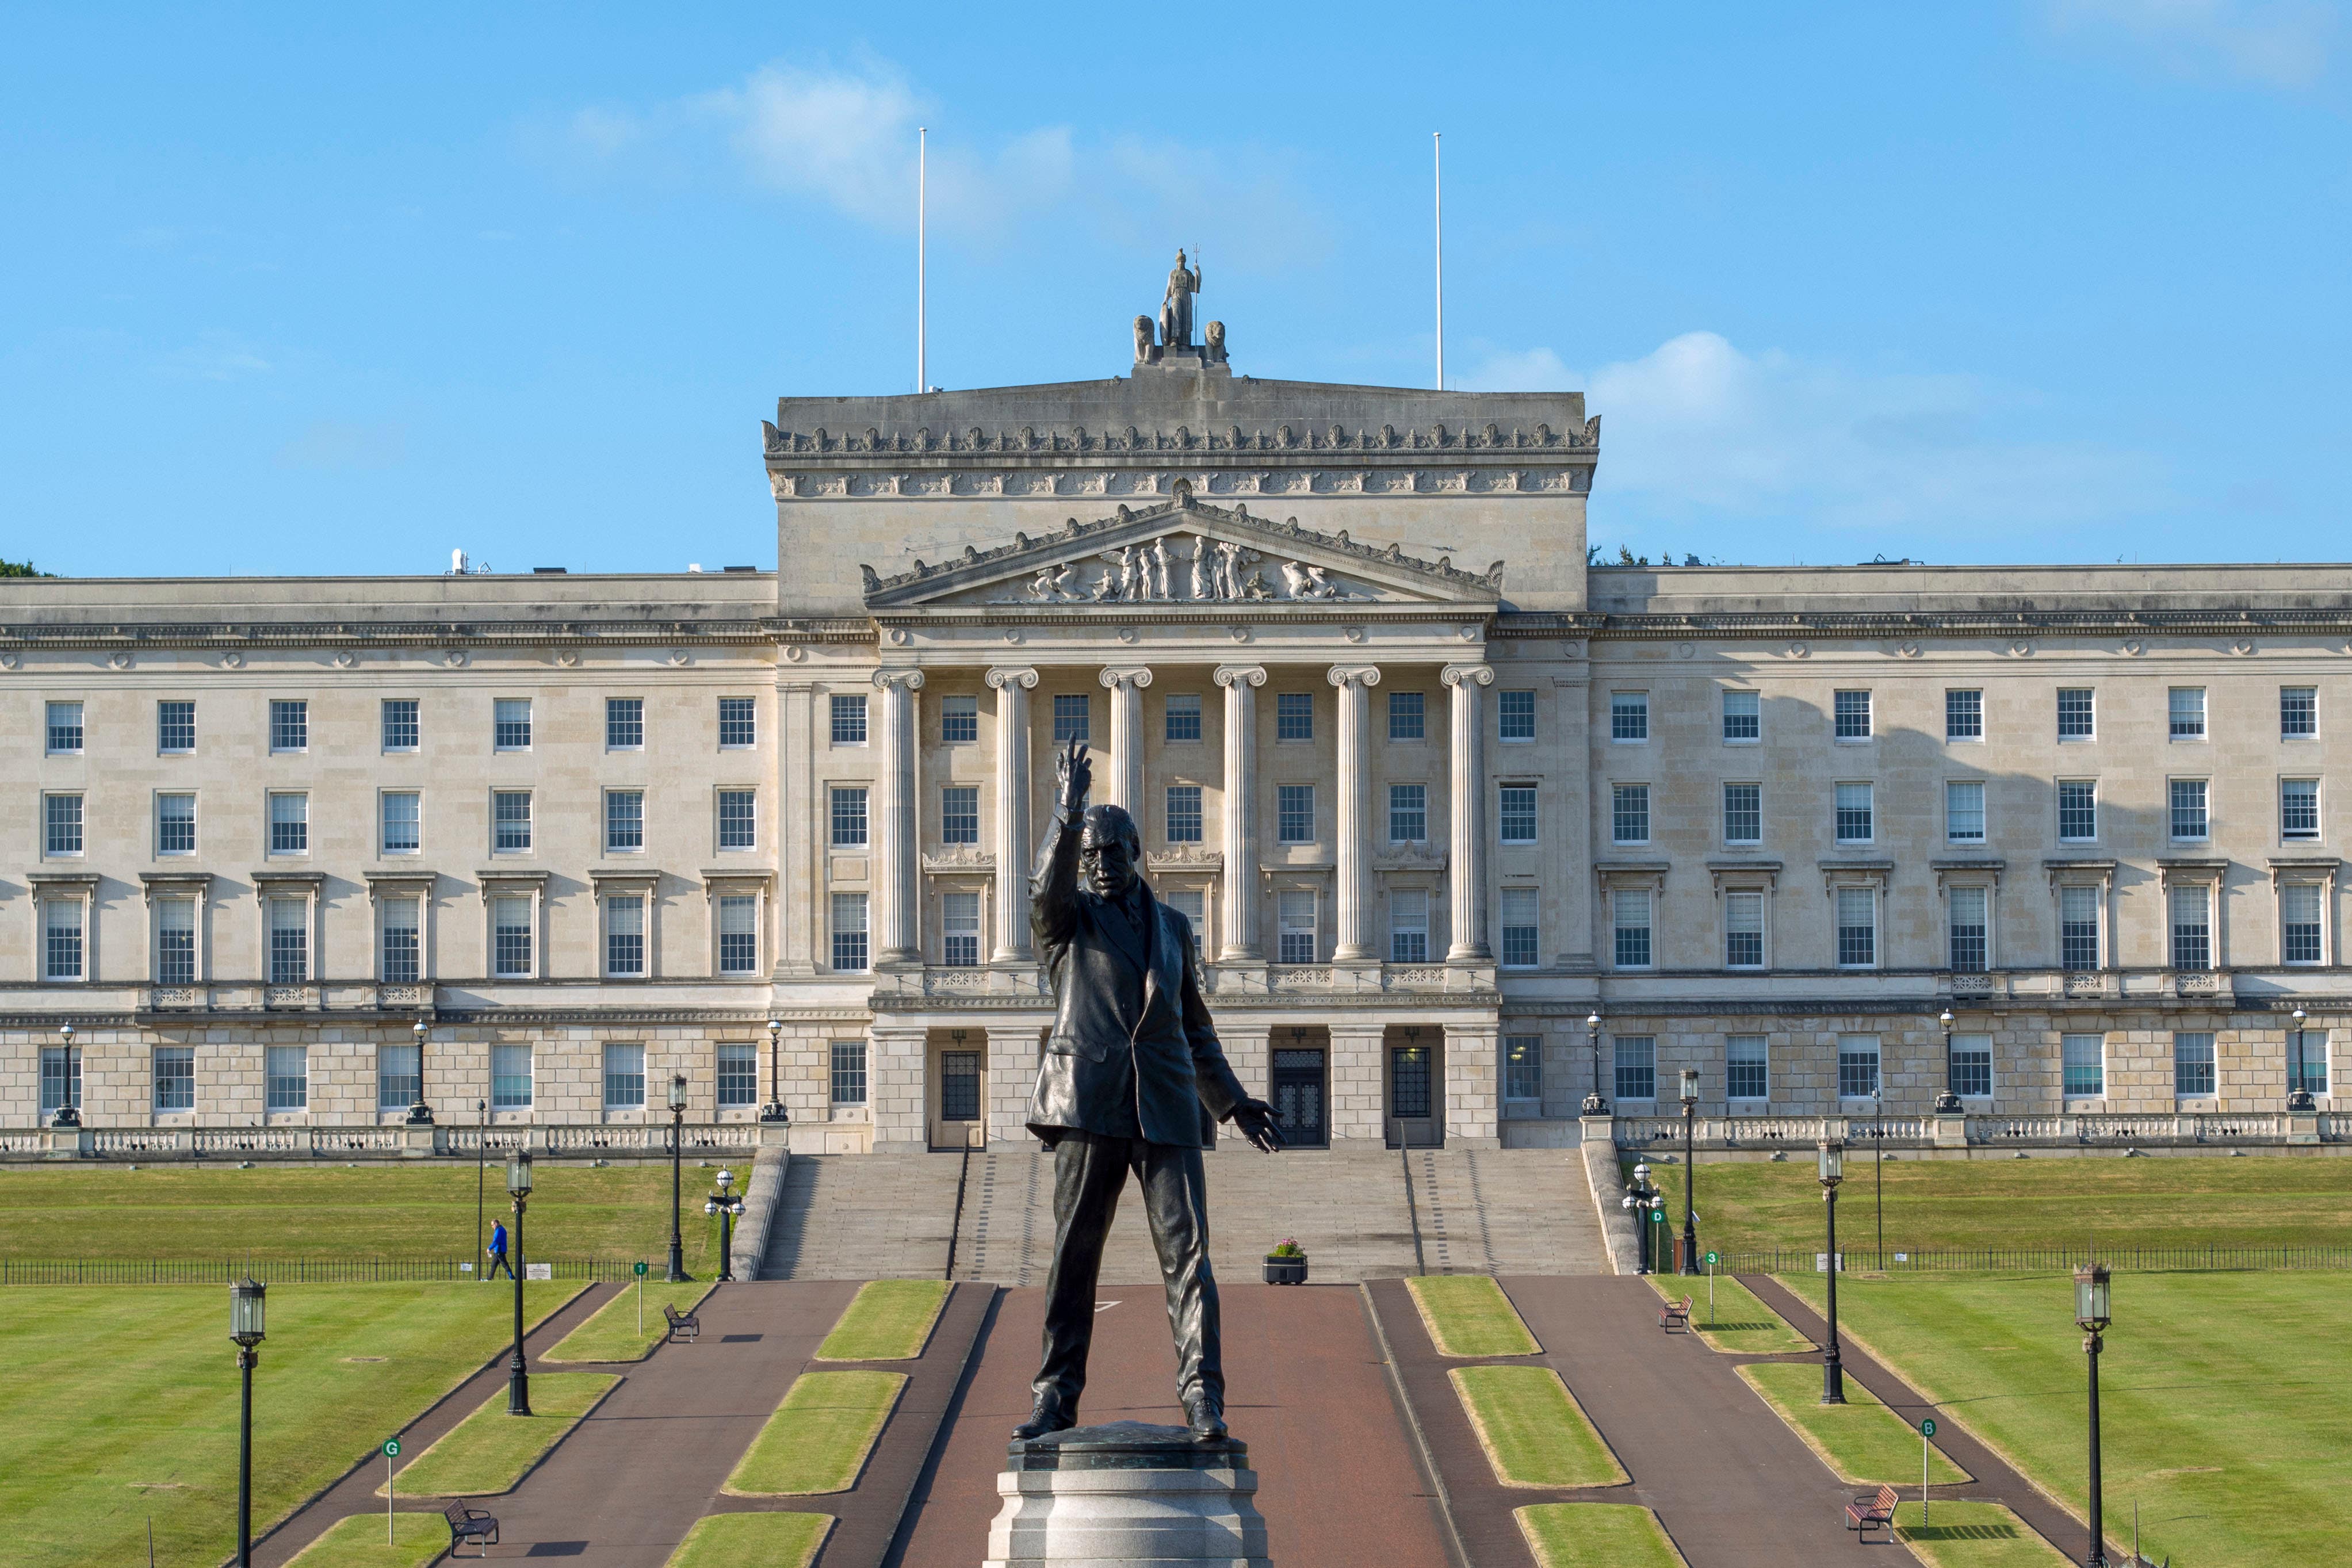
[2093, 1314]
[1594, 1105]
[1947, 1101]
[420, 1115]
[1832, 1172]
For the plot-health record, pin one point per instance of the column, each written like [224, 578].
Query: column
[1241, 683]
[1354, 825]
[1013, 1051]
[1473, 1060]
[898, 940]
[1125, 786]
[1012, 846]
[1358, 1110]
[1465, 797]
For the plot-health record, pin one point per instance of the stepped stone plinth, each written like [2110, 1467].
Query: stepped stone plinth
[1128, 1495]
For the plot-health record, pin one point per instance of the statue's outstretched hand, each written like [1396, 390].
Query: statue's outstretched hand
[1256, 1118]
[1074, 776]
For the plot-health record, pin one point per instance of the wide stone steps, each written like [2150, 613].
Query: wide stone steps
[1505, 1211]
[864, 1217]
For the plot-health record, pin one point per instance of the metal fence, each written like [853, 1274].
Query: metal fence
[2039, 1260]
[286, 1270]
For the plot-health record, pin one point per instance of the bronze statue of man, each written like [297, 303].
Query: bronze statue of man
[1132, 1079]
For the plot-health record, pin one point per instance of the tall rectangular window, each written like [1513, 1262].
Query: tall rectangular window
[625, 936]
[289, 941]
[2078, 811]
[1515, 716]
[1517, 819]
[2192, 1064]
[1743, 929]
[2189, 815]
[1070, 719]
[1184, 813]
[397, 1078]
[176, 1078]
[1629, 813]
[625, 723]
[2192, 926]
[2298, 713]
[959, 929]
[2186, 708]
[1630, 907]
[1408, 716]
[402, 822]
[1857, 1067]
[289, 823]
[849, 718]
[289, 725]
[1747, 1065]
[739, 819]
[1294, 814]
[511, 723]
[2300, 936]
[61, 825]
[1296, 917]
[175, 726]
[959, 814]
[1743, 716]
[511, 819]
[849, 950]
[849, 1072]
[2074, 713]
[401, 947]
[739, 1076]
[958, 721]
[1179, 717]
[2298, 808]
[1964, 811]
[1969, 1070]
[1192, 904]
[1743, 814]
[848, 816]
[2078, 928]
[288, 1071]
[739, 722]
[738, 933]
[1408, 814]
[2306, 1061]
[396, 718]
[61, 939]
[1519, 910]
[175, 942]
[1857, 928]
[1856, 816]
[1294, 716]
[1852, 712]
[65, 729]
[1408, 925]
[60, 1079]
[2083, 1065]
[175, 825]
[510, 936]
[1969, 948]
[1964, 715]
[1523, 1071]
[1629, 716]
[511, 1075]
[625, 821]
[1637, 1067]
[624, 1077]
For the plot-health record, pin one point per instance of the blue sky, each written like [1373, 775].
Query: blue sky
[319, 289]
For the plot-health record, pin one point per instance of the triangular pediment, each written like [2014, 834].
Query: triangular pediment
[1181, 552]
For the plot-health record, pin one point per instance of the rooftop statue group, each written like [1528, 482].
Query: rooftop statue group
[1176, 319]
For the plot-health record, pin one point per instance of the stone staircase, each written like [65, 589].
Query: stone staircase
[1505, 1211]
[864, 1217]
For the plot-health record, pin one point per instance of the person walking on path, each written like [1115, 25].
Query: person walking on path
[498, 1252]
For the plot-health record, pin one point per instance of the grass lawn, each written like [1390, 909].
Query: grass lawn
[119, 1404]
[489, 1451]
[359, 1542]
[1862, 1440]
[819, 1437]
[1974, 1535]
[752, 1541]
[1467, 1314]
[2221, 1395]
[1596, 1535]
[613, 1334]
[2036, 1201]
[1741, 1325]
[340, 1211]
[890, 1321]
[1534, 1432]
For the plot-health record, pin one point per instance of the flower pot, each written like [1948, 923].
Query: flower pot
[1285, 1270]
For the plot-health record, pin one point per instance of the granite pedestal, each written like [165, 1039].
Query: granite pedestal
[1128, 1495]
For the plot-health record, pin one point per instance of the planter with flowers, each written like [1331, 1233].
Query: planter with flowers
[1286, 1263]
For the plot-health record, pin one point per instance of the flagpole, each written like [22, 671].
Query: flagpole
[922, 179]
[1437, 175]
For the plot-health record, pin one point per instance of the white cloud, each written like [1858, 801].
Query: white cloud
[2276, 43]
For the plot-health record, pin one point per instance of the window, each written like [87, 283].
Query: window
[1743, 716]
[1294, 716]
[2192, 1064]
[402, 830]
[1857, 928]
[2187, 712]
[397, 1078]
[739, 721]
[1629, 815]
[1522, 1069]
[1515, 716]
[61, 818]
[1857, 1067]
[1743, 814]
[2299, 922]
[1180, 716]
[959, 814]
[1070, 719]
[1296, 934]
[2298, 808]
[1183, 814]
[1964, 811]
[398, 725]
[175, 942]
[510, 1077]
[1629, 716]
[625, 723]
[1295, 813]
[624, 1077]
[2078, 810]
[2074, 713]
[1743, 929]
[1969, 1070]
[1630, 907]
[2083, 1065]
[849, 952]
[1852, 715]
[738, 933]
[1408, 716]
[2306, 1061]
[1964, 715]
[60, 1079]
[2298, 713]
[1853, 814]
[958, 721]
[1518, 817]
[959, 929]
[1746, 1067]
[175, 825]
[288, 1072]
[289, 726]
[511, 819]
[849, 817]
[1519, 907]
[625, 936]
[401, 950]
[1192, 904]
[1408, 814]
[176, 1078]
[511, 723]
[61, 943]
[2192, 927]
[625, 821]
[2078, 928]
[849, 1072]
[739, 819]
[289, 823]
[175, 726]
[1409, 925]
[1637, 1067]
[739, 1076]
[510, 936]
[65, 729]
[849, 721]
[1970, 919]
[2189, 816]
[289, 941]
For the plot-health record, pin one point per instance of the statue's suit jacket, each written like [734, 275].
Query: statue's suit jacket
[1125, 1022]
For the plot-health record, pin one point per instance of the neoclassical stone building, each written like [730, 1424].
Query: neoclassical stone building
[1468, 829]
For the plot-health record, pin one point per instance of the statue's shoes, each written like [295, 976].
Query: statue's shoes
[1043, 1419]
[1206, 1421]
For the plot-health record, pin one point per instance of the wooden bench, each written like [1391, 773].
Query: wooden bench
[1864, 1513]
[470, 1524]
[1675, 1315]
[682, 1325]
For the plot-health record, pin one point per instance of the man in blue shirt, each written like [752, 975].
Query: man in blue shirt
[499, 1251]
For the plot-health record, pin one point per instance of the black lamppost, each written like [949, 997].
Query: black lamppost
[726, 1202]
[1949, 1100]
[519, 1374]
[1878, 1167]
[677, 1144]
[481, 1177]
[69, 1101]
[1690, 1171]
[2298, 1079]
[1593, 1104]
[774, 1110]
[1832, 1173]
[421, 1113]
[246, 1304]
[2091, 1314]
[1641, 1198]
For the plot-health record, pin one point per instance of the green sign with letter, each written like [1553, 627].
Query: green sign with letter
[392, 1447]
[1927, 1428]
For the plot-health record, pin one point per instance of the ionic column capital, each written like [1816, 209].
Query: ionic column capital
[1459, 674]
[1003, 676]
[912, 679]
[1346, 675]
[1116, 677]
[1241, 675]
